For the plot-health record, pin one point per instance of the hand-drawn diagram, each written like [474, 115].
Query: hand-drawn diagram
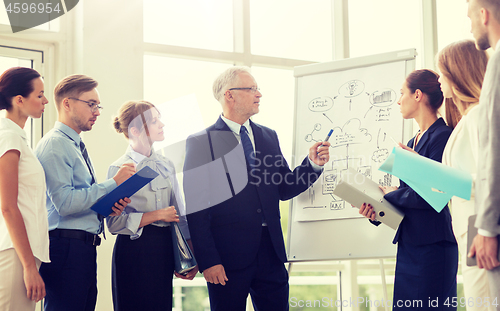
[363, 123]
[381, 101]
[310, 137]
[380, 155]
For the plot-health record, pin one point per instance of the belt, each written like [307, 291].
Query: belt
[87, 237]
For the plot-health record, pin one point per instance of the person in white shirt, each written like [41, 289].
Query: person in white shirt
[463, 67]
[24, 239]
[485, 27]
[144, 233]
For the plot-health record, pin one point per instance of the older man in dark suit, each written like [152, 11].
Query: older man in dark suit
[234, 177]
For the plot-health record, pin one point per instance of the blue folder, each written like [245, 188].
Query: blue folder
[435, 182]
[124, 190]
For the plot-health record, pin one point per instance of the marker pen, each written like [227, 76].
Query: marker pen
[326, 139]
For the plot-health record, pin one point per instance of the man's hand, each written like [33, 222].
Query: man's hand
[120, 206]
[486, 251]
[215, 275]
[124, 173]
[319, 153]
[189, 276]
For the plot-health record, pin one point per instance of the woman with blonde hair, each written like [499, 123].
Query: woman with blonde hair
[463, 68]
[24, 233]
[143, 258]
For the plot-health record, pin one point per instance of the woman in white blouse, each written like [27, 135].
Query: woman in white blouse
[24, 240]
[143, 260]
[463, 67]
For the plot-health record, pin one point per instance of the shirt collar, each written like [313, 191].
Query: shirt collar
[11, 125]
[68, 131]
[497, 46]
[136, 156]
[235, 127]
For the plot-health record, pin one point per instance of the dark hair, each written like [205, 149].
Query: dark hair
[73, 86]
[16, 81]
[426, 81]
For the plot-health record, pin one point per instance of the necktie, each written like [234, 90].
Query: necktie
[247, 147]
[250, 156]
[91, 170]
[87, 160]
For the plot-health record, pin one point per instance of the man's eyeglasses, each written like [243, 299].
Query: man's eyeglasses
[93, 106]
[252, 89]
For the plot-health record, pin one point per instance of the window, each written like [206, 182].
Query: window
[453, 23]
[277, 104]
[292, 29]
[203, 24]
[167, 79]
[12, 57]
[384, 26]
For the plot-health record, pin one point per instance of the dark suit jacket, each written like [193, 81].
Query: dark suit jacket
[226, 204]
[422, 224]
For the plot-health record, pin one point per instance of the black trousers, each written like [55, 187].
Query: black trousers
[266, 279]
[142, 271]
[71, 276]
[426, 276]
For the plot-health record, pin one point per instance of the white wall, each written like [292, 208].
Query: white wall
[111, 54]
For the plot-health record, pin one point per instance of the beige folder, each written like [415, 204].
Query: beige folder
[356, 189]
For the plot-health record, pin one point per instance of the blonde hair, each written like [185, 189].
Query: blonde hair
[464, 67]
[134, 113]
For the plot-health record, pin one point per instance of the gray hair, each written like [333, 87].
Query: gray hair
[227, 78]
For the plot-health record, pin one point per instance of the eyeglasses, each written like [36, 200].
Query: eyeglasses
[93, 106]
[252, 89]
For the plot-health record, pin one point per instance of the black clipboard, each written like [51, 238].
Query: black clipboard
[124, 190]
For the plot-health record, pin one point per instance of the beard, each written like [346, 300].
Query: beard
[84, 127]
[482, 42]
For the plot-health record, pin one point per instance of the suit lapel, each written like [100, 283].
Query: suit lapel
[258, 139]
[429, 131]
[223, 139]
[421, 141]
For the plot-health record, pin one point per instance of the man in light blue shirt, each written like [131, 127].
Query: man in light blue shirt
[71, 276]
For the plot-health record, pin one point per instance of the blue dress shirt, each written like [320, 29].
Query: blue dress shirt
[161, 192]
[69, 191]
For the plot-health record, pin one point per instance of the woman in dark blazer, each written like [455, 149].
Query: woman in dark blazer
[427, 258]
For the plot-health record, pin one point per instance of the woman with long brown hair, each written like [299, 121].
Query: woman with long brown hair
[462, 69]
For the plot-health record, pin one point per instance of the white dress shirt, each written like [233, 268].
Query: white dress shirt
[461, 152]
[235, 128]
[31, 192]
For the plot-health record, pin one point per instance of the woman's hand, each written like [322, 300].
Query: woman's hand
[168, 214]
[367, 211]
[387, 189]
[35, 287]
[407, 148]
